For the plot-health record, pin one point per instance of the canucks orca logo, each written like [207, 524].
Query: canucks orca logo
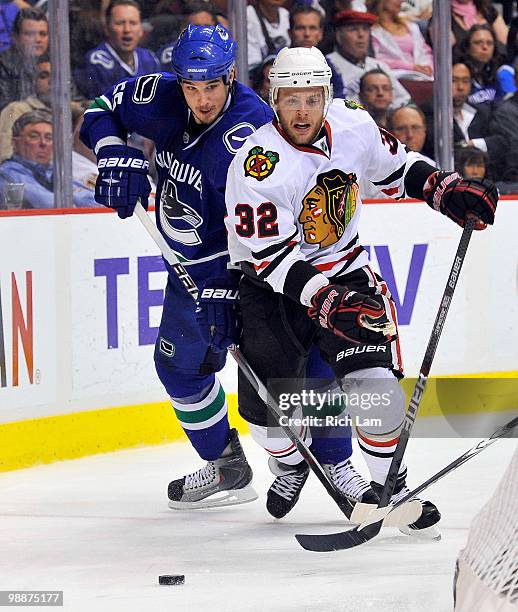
[234, 138]
[179, 221]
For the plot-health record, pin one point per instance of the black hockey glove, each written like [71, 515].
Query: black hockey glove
[122, 179]
[457, 198]
[351, 315]
[218, 313]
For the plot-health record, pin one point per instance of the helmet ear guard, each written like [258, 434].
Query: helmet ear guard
[300, 67]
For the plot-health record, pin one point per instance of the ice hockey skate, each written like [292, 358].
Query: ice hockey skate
[362, 499]
[223, 482]
[425, 526]
[285, 490]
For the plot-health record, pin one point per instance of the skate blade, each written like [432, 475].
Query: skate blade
[428, 533]
[232, 497]
[404, 515]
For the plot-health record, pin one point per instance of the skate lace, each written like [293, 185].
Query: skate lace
[201, 477]
[347, 479]
[287, 486]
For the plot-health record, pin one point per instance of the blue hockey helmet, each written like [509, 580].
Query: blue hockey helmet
[204, 53]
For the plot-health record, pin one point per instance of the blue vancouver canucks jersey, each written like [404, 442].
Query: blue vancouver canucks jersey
[191, 160]
[103, 68]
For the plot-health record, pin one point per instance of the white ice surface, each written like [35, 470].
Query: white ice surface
[99, 529]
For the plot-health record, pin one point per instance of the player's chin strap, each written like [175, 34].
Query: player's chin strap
[271, 402]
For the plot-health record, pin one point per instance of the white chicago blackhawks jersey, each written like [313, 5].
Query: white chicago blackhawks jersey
[288, 203]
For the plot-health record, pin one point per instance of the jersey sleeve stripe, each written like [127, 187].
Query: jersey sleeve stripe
[277, 261]
[274, 248]
[395, 176]
[325, 267]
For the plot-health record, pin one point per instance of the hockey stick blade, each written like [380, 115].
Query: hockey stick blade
[329, 542]
[369, 529]
[384, 513]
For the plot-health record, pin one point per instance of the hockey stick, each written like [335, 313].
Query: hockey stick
[408, 514]
[381, 513]
[358, 535]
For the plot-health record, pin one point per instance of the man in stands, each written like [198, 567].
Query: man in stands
[119, 57]
[306, 27]
[31, 163]
[40, 100]
[408, 124]
[376, 95]
[350, 58]
[17, 64]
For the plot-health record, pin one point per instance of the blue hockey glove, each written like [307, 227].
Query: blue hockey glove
[122, 179]
[218, 313]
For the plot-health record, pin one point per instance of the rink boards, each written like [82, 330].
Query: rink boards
[80, 303]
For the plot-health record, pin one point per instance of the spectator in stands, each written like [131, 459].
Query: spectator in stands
[119, 57]
[350, 59]
[467, 13]
[197, 13]
[31, 163]
[471, 123]
[505, 124]
[505, 74]
[307, 30]
[261, 78]
[399, 43]
[306, 26]
[8, 12]
[470, 162]
[376, 95]
[268, 24]
[30, 40]
[408, 123]
[417, 10]
[39, 101]
[478, 51]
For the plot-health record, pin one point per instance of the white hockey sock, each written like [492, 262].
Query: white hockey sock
[279, 447]
[378, 452]
[380, 421]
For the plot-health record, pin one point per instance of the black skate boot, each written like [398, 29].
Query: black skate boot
[285, 490]
[424, 527]
[356, 490]
[223, 482]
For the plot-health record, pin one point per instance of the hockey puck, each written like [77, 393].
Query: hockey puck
[172, 579]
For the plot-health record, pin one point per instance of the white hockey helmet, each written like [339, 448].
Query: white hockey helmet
[300, 67]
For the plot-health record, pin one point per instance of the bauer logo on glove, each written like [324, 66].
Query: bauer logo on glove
[122, 179]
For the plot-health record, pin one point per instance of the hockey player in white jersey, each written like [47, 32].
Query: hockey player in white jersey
[293, 206]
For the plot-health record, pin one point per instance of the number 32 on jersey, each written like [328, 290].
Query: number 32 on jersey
[262, 222]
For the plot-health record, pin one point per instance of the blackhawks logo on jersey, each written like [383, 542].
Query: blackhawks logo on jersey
[260, 164]
[353, 105]
[328, 207]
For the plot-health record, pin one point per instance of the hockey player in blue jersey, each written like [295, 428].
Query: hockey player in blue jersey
[198, 118]
[119, 57]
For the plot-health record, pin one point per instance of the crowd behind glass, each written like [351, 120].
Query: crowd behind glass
[380, 53]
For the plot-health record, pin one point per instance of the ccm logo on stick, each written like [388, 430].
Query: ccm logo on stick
[122, 162]
[357, 350]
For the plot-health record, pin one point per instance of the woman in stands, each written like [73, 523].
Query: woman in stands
[479, 52]
[467, 13]
[399, 42]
